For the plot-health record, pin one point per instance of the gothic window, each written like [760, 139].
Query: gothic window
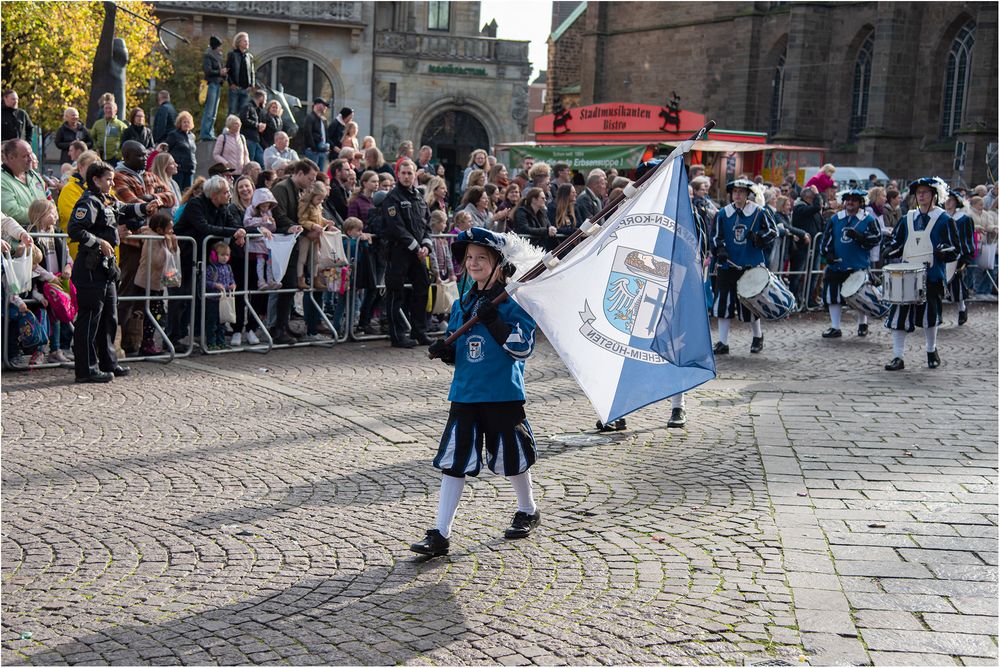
[437, 15]
[777, 94]
[862, 83]
[956, 79]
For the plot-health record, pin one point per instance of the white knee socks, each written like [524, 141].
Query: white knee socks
[862, 319]
[677, 401]
[898, 343]
[755, 328]
[835, 310]
[451, 494]
[724, 331]
[522, 487]
[930, 333]
[961, 305]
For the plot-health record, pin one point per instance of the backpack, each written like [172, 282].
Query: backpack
[62, 304]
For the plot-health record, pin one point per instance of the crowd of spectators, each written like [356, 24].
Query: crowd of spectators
[392, 216]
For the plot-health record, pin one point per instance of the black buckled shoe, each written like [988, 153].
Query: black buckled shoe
[863, 329]
[99, 377]
[895, 365]
[933, 360]
[832, 333]
[617, 425]
[423, 340]
[521, 525]
[678, 418]
[120, 371]
[757, 344]
[404, 343]
[963, 317]
[720, 348]
[433, 544]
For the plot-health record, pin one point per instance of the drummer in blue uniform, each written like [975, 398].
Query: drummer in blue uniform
[742, 231]
[966, 243]
[925, 235]
[487, 391]
[848, 237]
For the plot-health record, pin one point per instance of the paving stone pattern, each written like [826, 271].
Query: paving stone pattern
[258, 509]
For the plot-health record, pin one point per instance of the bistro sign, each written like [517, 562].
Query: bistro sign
[619, 121]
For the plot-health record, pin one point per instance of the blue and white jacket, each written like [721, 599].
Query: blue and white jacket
[733, 230]
[851, 254]
[489, 361]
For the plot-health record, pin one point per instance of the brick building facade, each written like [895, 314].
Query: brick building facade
[899, 86]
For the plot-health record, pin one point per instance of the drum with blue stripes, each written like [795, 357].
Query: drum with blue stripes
[857, 290]
[765, 294]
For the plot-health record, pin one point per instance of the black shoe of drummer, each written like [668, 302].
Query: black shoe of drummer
[832, 333]
[863, 329]
[720, 348]
[678, 418]
[757, 344]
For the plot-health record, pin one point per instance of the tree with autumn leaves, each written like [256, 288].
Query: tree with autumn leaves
[47, 55]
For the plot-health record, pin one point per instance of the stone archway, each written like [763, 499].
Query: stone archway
[453, 135]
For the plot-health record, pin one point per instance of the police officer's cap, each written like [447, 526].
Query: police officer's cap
[739, 183]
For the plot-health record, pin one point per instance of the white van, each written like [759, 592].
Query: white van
[844, 175]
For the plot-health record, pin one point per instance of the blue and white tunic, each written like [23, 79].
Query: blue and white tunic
[850, 254]
[734, 233]
[487, 391]
[928, 238]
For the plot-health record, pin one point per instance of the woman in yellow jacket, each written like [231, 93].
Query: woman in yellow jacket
[71, 192]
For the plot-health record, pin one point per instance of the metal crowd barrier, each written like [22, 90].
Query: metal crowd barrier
[169, 352]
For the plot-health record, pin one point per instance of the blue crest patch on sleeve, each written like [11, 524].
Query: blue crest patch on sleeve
[81, 214]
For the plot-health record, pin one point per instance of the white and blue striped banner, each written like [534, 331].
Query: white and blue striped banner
[625, 310]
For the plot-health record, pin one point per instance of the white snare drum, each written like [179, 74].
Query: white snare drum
[858, 291]
[904, 283]
[764, 294]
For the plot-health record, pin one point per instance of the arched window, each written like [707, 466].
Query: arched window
[777, 94]
[956, 78]
[301, 78]
[862, 83]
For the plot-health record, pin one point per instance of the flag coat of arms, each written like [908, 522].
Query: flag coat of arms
[625, 310]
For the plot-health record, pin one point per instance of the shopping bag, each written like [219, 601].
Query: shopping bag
[17, 271]
[281, 247]
[331, 250]
[202, 92]
[171, 275]
[987, 256]
[445, 294]
[227, 308]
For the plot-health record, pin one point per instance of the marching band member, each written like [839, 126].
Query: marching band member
[848, 238]
[967, 250]
[926, 234]
[487, 391]
[742, 231]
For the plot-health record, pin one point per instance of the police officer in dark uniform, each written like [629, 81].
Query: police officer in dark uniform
[407, 232]
[94, 225]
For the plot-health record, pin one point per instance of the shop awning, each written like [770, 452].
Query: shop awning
[716, 146]
[581, 158]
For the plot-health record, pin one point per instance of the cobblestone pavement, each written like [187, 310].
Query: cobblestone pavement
[258, 509]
